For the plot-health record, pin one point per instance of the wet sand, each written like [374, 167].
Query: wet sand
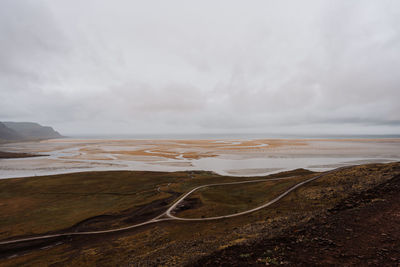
[227, 157]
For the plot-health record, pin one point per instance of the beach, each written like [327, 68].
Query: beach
[236, 157]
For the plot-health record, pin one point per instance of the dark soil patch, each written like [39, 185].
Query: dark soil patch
[126, 217]
[188, 203]
[101, 222]
[10, 155]
[362, 230]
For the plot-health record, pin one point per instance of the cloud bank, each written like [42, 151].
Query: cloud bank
[125, 67]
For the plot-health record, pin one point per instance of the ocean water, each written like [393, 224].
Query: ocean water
[222, 136]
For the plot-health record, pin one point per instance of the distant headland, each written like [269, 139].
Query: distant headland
[20, 131]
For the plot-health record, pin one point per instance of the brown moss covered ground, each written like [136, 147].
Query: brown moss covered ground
[178, 243]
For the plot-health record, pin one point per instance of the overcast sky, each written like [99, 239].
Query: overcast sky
[120, 67]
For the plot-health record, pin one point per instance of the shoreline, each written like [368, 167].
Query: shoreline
[245, 158]
[233, 174]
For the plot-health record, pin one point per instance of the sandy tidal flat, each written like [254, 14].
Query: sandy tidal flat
[226, 157]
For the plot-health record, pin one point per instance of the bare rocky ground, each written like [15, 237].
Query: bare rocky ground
[361, 230]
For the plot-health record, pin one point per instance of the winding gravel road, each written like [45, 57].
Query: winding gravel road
[168, 216]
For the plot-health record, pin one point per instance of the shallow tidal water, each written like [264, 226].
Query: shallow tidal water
[238, 157]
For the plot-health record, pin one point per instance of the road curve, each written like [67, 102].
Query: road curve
[168, 212]
[170, 216]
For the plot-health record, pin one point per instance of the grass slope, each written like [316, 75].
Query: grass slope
[168, 243]
[36, 205]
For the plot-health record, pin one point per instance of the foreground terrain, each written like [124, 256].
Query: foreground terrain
[363, 229]
[96, 201]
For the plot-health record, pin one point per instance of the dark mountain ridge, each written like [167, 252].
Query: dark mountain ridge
[12, 131]
[7, 133]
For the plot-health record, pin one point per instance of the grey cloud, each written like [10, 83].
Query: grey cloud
[178, 66]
